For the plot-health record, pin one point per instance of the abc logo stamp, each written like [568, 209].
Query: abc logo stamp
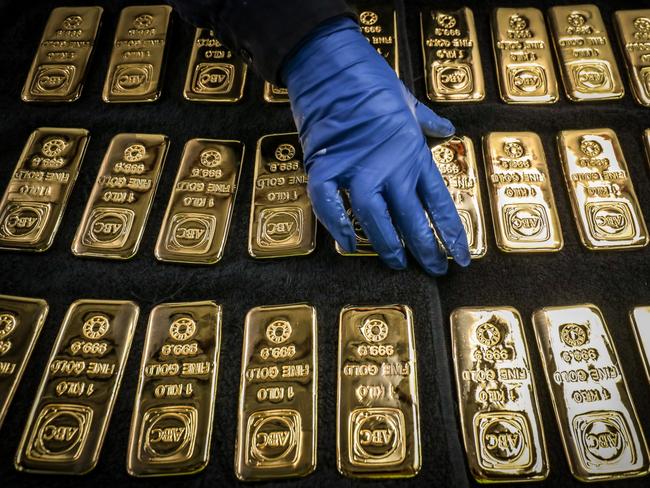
[592, 77]
[53, 79]
[273, 438]
[24, 222]
[452, 78]
[503, 441]
[280, 227]
[213, 78]
[168, 434]
[526, 222]
[59, 433]
[644, 77]
[611, 221]
[132, 79]
[603, 438]
[466, 220]
[108, 227]
[191, 232]
[527, 80]
[377, 436]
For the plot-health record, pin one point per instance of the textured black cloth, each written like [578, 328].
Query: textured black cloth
[264, 32]
[615, 281]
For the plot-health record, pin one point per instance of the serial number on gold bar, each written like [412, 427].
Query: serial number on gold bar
[214, 73]
[196, 223]
[456, 161]
[600, 430]
[21, 321]
[497, 399]
[172, 419]
[282, 222]
[59, 68]
[278, 400]
[35, 199]
[586, 58]
[603, 200]
[71, 413]
[119, 204]
[378, 427]
[136, 64]
[452, 62]
[523, 56]
[640, 317]
[521, 198]
[633, 29]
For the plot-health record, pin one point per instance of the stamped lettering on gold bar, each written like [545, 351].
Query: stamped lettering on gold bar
[633, 29]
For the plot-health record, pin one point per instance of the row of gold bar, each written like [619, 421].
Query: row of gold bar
[378, 426]
[452, 63]
[173, 414]
[282, 223]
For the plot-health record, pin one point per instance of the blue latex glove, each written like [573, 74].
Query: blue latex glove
[362, 130]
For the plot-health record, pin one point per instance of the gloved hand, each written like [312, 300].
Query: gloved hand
[363, 131]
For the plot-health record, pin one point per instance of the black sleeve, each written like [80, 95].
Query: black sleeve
[263, 32]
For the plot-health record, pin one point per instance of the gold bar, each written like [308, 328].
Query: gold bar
[278, 396]
[275, 94]
[137, 60]
[633, 29]
[603, 200]
[171, 427]
[523, 56]
[585, 55]
[35, 199]
[452, 62]
[640, 318]
[197, 220]
[70, 415]
[364, 247]
[521, 198]
[119, 204]
[497, 399]
[59, 67]
[378, 427]
[456, 161]
[600, 430]
[282, 222]
[378, 22]
[21, 321]
[215, 73]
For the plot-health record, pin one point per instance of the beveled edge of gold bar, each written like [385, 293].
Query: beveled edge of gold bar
[540, 315]
[629, 66]
[543, 475]
[159, 241]
[143, 362]
[645, 355]
[240, 399]
[417, 438]
[646, 141]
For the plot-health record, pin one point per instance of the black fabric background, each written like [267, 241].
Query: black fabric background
[615, 281]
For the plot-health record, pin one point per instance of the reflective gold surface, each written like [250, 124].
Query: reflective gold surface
[136, 65]
[633, 29]
[21, 321]
[499, 411]
[585, 55]
[172, 418]
[119, 204]
[197, 219]
[364, 247]
[456, 162]
[59, 67]
[214, 73]
[378, 427]
[378, 22]
[278, 394]
[523, 56]
[452, 63]
[521, 198]
[35, 199]
[603, 200]
[646, 143]
[282, 222]
[73, 406]
[275, 94]
[597, 421]
[640, 318]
